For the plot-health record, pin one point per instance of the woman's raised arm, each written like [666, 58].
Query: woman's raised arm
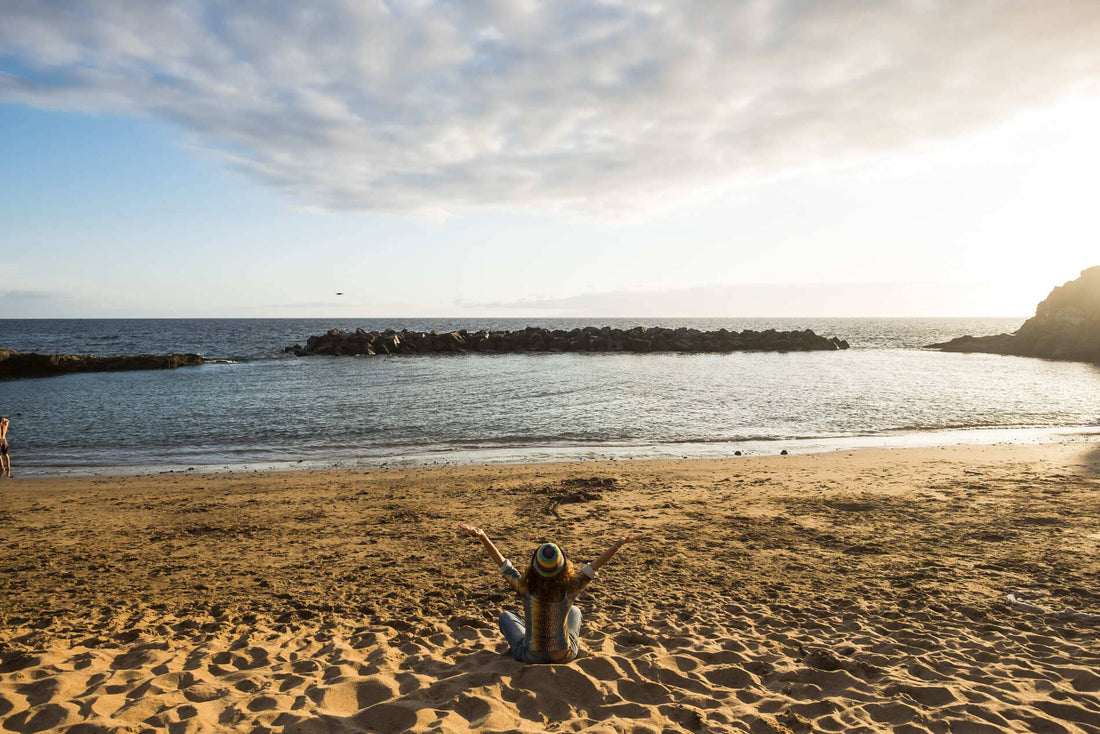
[480, 535]
[607, 554]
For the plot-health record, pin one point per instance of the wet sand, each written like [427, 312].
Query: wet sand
[852, 591]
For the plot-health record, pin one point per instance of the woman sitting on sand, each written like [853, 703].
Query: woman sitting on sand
[551, 633]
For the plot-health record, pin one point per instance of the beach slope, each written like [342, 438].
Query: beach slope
[853, 591]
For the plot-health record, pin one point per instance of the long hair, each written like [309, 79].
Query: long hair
[544, 588]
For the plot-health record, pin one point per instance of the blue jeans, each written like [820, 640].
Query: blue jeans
[515, 631]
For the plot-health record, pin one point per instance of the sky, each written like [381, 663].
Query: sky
[528, 158]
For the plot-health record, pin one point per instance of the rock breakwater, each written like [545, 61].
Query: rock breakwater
[15, 364]
[1066, 326]
[640, 339]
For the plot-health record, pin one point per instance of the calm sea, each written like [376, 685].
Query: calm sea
[272, 410]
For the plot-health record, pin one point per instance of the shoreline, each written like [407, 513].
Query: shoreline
[550, 454]
[860, 589]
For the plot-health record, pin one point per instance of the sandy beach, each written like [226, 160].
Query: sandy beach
[850, 591]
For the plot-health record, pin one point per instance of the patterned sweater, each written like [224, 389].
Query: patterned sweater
[546, 618]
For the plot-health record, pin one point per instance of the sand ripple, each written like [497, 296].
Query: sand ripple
[929, 675]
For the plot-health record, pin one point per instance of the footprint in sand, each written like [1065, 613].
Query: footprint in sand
[395, 716]
[46, 716]
[352, 696]
[732, 676]
[202, 692]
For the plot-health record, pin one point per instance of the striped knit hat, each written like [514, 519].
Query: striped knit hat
[548, 561]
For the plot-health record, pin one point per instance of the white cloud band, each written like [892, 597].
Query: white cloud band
[421, 105]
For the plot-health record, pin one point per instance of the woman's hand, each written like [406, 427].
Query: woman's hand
[607, 554]
[475, 532]
[470, 530]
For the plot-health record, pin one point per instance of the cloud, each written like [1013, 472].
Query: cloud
[24, 303]
[25, 295]
[435, 106]
[782, 300]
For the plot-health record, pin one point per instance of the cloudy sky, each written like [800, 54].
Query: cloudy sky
[527, 158]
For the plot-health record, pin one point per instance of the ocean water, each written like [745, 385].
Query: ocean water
[267, 409]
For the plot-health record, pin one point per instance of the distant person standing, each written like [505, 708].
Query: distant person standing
[5, 460]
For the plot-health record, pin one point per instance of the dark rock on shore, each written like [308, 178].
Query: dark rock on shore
[1066, 326]
[640, 339]
[30, 364]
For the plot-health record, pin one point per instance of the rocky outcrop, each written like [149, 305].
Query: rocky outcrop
[29, 364]
[588, 339]
[1066, 326]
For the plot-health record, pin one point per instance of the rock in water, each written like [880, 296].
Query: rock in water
[589, 339]
[29, 364]
[1066, 326]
